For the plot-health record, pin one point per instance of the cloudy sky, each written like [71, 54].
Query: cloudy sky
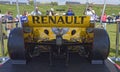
[84, 1]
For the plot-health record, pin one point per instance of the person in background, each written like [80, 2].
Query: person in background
[9, 22]
[70, 12]
[47, 12]
[24, 17]
[109, 19]
[104, 18]
[51, 12]
[90, 12]
[118, 17]
[36, 12]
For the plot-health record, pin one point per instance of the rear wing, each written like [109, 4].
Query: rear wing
[58, 21]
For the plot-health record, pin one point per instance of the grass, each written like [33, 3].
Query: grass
[118, 62]
[111, 29]
[78, 9]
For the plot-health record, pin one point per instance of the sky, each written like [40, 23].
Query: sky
[84, 1]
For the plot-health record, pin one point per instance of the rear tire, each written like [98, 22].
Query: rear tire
[101, 45]
[16, 47]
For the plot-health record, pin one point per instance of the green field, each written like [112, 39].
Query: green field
[111, 29]
[78, 9]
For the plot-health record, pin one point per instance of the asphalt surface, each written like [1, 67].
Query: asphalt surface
[75, 64]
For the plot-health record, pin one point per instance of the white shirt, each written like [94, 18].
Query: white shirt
[36, 13]
[91, 14]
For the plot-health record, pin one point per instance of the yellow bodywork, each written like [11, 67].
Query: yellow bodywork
[36, 25]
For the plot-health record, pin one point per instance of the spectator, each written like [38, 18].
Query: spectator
[109, 19]
[36, 12]
[104, 18]
[90, 12]
[70, 12]
[47, 12]
[50, 12]
[113, 18]
[118, 17]
[24, 18]
[9, 22]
